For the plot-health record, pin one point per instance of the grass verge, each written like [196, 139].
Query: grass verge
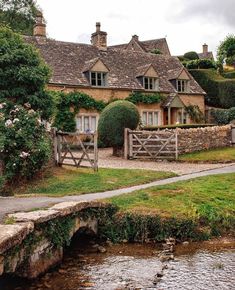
[220, 155]
[72, 181]
[195, 209]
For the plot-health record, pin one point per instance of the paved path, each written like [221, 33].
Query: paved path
[14, 204]
[107, 160]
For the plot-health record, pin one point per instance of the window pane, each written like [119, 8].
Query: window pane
[93, 124]
[79, 124]
[155, 121]
[144, 118]
[93, 79]
[146, 86]
[150, 118]
[86, 124]
[151, 84]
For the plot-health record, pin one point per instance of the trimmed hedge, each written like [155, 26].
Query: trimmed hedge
[181, 126]
[200, 64]
[113, 119]
[220, 91]
[229, 75]
[223, 117]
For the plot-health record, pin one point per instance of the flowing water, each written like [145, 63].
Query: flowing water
[134, 266]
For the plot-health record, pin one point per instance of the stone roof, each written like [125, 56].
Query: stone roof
[69, 61]
[208, 55]
[147, 45]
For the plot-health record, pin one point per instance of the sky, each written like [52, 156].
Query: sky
[187, 24]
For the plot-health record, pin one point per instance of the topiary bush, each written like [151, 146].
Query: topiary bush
[191, 55]
[114, 119]
[200, 64]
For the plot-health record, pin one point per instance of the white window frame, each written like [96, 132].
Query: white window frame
[83, 116]
[149, 80]
[182, 85]
[103, 76]
[148, 112]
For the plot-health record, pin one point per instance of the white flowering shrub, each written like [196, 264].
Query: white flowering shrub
[24, 144]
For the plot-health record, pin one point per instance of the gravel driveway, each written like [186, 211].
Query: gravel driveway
[106, 160]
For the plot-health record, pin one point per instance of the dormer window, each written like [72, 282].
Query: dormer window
[98, 79]
[182, 86]
[149, 83]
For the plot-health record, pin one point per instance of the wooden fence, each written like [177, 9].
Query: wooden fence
[151, 145]
[76, 149]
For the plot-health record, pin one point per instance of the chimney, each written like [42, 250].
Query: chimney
[205, 48]
[99, 38]
[135, 37]
[39, 28]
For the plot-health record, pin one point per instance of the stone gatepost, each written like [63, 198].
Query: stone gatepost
[233, 135]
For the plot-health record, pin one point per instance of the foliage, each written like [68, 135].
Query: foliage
[182, 126]
[114, 119]
[222, 155]
[25, 145]
[156, 51]
[23, 74]
[19, 15]
[229, 75]
[68, 106]
[200, 64]
[138, 97]
[220, 91]
[191, 55]
[223, 117]
[195, 113]
[226, 50]
[81, 181]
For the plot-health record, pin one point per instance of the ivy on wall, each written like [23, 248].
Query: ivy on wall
[68, 106]
[138, 97]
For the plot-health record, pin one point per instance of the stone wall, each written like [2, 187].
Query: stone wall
[32, 242]
[197, 139]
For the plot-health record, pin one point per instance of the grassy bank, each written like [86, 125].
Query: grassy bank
[222, 155]
[195, 209]
[72, 181]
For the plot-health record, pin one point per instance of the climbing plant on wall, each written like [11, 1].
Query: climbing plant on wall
[138, 97]
[68, 106]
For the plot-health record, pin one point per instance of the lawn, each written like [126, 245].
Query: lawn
[73, 181]
[208, 197]
[214, 155]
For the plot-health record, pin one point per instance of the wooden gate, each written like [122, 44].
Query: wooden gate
[76, 149]
[151, 144]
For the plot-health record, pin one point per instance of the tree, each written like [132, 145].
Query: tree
[191, 55]
[23, 74]
[25, 146]
[19, 15]
[226, 50]
[113, 120]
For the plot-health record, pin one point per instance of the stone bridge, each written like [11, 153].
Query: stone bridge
[32, 242]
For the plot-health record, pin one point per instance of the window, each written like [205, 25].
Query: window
[149, 83]
[86, 123]
[150, 118]
[182, 86]
[98, 79]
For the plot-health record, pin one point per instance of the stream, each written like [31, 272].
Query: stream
[208, 265]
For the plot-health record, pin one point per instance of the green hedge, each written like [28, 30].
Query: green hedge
[182, 126]
[229, 75]
[220, 91]
[223, 117]
[199, 64]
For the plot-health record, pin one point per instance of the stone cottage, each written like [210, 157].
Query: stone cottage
[114, 72]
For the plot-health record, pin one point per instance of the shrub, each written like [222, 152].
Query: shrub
[138, 97]
[229, 75]
[220, 91]
[200, 64]
[25, 144]
[223, 117]
[195, 113]
[113, 119]
[191, 55]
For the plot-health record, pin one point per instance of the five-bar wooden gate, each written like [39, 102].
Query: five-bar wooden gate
[76, 149]
[151, 144]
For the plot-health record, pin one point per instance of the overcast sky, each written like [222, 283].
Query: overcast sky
[187, 24]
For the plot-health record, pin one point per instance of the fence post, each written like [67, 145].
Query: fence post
[95, 151]
[130, 144]
[55, 145]
[233, 135]
[176, 144]
[126, 143]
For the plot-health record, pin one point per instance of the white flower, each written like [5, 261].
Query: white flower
[24, 155]
[15, 120]
[31, 111]
[8, 123]
[27, 105]
[14, 164]
[2, 105]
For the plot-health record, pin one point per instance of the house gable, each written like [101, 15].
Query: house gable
[184, 75]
